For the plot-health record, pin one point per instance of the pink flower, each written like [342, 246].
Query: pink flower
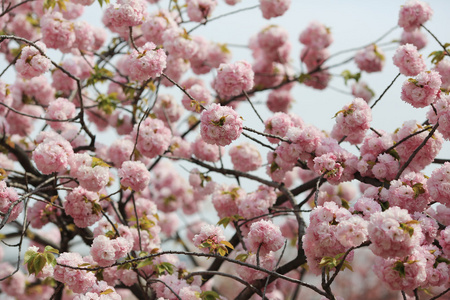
[200, 10]
[316, 36]
[439, 184]
[178, 43]
[205, 151]
[313, 58]
[226, 200]
[57, 32]
[370, 59]
[328, 166]
[60, 109]
[91, 173]
[209, 238]
[234, 78]
[393, 233]
[79, 281]
[146, 63]
[278, 124]
[428, 152]
[153, 137]
[135, 175]
[264, 237]
[274, 8]
[423, 90]
[31, 62]
[279, 101]
[245, 157]
[156, 24]
[126, 13]
[443, 68]
[415, 37]
[353, 121]
[9, 202]
[220, 125]
[83, 207]
[352, 231]
[413, 14]
[402, 273]
[410, 192]
[361, 90]
[106, 251]
[409, 61]
[52, 154]
[201, 96]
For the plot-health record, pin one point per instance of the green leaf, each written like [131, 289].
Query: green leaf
[437, 56]
[224, 221]
[347, 75]
[226, 243]
[39, 263]
[144, 263]
[394, 153]
[209, 295]
[400, 268]
[242, 257]
[418, 189]
[106, 292]
[406, 228]
[51, 249]
[98, 162]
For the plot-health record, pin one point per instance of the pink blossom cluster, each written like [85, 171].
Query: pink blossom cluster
[201, 96]
[410, 192]
[428, 152]
[408, 60]
[89, 171]
[328, 166]
[370, 59]
[220, 125]
[374, 162]
[441, 112]
[274, 8]
[393, 233]
[415, 37]
[279, 124]
[167, 109]
[106, 251]
[170, 190]
[83, 206]
[9, 202]
[41, 213]
[206, 151]
[257, 203]
[279, 100]
[413, 14]
[245, 157]
[145, 63]
[227, 199]
[200, 10]
[208, 56]
[134, 174]
[57, 32]
[79, 281]
[423, 90]
[316, 36]
[352, 121]
[153, 137]
[321, 238]
[443, 68]
[209, 238]
[60, 109]
[52, 154]
[263, 237]
[125, 13]
[156, 24]
[178, 43]
[232, 79]
[438, 184]
[31, 62]
[272, 43]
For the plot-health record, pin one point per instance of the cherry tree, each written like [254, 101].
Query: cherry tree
[141, 159]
